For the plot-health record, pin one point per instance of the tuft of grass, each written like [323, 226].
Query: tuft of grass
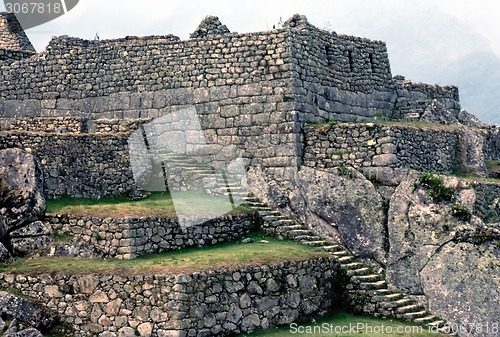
[339, 319]
[227, 255]
[434, 184]
[158, 204]
[461, 212]
[345, 171]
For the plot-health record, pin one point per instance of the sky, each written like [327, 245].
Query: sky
[423, 37]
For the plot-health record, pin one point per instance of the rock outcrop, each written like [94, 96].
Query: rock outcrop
[22, 203]
[23, 313]
[441, 251]
[348, 202]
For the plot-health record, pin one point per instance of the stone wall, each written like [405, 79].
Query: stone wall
[487, 205]
[79, 165]
[127, 238]
[368, 145]
[14, 44]
[347, 78]
[214, 303]
[413, 98]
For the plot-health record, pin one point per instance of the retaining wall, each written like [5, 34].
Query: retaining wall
[369, 145]
[214, 303]
[127, 238]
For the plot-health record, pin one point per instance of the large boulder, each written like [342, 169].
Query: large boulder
[22, 203]
[15, 307]
[347, 201]
[21, 189]
[5, 255]
[441, 251]
[462, 284]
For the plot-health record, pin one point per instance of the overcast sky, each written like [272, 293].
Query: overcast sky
[423, 36]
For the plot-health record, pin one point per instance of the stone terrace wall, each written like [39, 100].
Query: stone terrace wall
[127, 238]
[374, 145]
[487, 205]
[79, 165]
[215, 303]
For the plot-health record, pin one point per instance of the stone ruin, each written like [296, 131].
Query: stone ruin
[308, 110]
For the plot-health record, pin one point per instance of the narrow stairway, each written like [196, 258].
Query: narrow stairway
[367, 290]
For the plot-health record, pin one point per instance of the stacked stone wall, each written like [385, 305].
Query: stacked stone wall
[79, 165]
[367, 145]
[487, 205]
[213, 303]
[127, 238]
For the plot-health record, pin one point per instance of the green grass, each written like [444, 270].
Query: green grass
[342, 319]
[228, 255]
[493, 167]
[156, 204]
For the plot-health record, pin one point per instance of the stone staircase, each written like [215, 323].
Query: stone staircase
[202, 176]
[367, 290]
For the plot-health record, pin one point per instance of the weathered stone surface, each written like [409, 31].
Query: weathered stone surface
[452, 261]
[26, 312]
[437, 113]
[25, 245]
[37, 228]
[21, 188]
[25, 333]
[5, 256]
[462, 284]
[350, 204]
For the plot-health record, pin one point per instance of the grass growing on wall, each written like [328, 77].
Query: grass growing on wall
[156, 204]
[341, 319]
[227, 255]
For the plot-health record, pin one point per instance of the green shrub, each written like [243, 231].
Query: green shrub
[461, 212]
[344, 171]
[434, 184]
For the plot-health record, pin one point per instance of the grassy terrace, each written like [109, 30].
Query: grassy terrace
[339, 320]
[228, 255]
[156, 204]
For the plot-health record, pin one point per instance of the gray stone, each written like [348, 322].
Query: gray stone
[5, 256]
[21, 188]
[37, 228]
[26, 312]
[437, 113]
[352, 205]
[25, 333]
[250, 323]
[25, 245]
[461, 282]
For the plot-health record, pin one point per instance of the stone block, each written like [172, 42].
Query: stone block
[384, 159]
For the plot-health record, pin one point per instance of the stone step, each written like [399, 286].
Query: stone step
[297, 232]
[333, 248]
[373, 285]
[340, 253]
[313, 243]
[351, 265]
[308, 237]
[410, 308]
[346, 259]
[437, 323]
[402, 302]
[388, 297]
[274, 217]
[414, 315]
[366, 278]
[425, 320]
[358, 272]
[284, 229]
